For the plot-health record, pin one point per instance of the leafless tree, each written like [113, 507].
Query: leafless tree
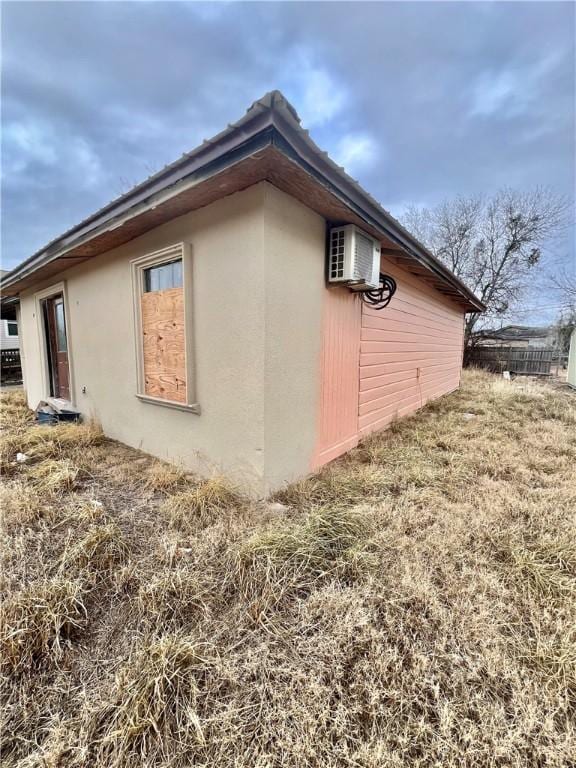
[564, 285]
[125, 184]
[564, 325]
[492, 243]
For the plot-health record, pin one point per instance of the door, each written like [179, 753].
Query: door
[57, 347]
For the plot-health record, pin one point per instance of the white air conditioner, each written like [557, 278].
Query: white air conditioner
[353, 258]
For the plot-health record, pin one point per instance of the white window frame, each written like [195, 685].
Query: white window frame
[8, 324]
[138, 266]
[47, 293]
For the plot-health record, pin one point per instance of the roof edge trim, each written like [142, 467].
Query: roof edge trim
[270, 121]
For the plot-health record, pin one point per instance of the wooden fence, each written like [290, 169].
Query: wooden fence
[533, 362]
[10, 366]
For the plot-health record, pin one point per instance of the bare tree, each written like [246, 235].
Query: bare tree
[125, 184]
[565, 324]
[492, 244]
[564, 285]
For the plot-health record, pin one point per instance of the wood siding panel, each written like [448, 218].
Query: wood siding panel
[403, 356]
[378, 382]
[396, 321]
[6, 341]
[382, 369]
[417, 309]
[339, 380]
[419, 357]
[410, 352]
[163, 344]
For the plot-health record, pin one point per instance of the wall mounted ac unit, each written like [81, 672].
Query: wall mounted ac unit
[353, 258]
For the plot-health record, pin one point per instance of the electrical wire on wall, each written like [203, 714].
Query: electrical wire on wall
[379, 298]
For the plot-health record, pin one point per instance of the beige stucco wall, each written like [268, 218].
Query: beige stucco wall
[294, 274]
[257, 276]
[228, 296]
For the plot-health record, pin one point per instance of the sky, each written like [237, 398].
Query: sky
[419, 101]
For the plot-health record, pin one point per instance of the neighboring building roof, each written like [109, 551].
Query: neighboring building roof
[268, 143]
[8, 308]
[515, 332]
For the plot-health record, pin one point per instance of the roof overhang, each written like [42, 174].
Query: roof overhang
[267, 144]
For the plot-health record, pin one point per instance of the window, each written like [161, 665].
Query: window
[61, 342]
[12, 328]
[163, 277]
[162, 302]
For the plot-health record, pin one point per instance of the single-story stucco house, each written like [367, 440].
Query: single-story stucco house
[195, 317]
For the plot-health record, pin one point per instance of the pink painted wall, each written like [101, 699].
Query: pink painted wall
[410, 352]
[339, 382]
[378, 366]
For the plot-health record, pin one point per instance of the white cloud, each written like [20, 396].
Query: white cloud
[147, 126]
[317, 95]
[494, 93]
[322, 103]
[28, 146]
[322, 98]
[510, 91]
[356, 151]
[25, 142]
[88, 163]
[210, 11]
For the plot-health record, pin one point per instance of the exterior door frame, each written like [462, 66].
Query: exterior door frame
[49, 293]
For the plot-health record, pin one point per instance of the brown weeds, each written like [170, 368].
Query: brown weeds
[53, 475]
[36, 621]
[329, 542]
[21, 505]
[164, 477]
[152, 716]
[414, 605]
[172, 595]
[101, 549]
[202, 504]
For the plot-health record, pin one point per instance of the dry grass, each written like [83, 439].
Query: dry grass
[14, 413]
[164, 477]
[62, 441]
[101, 549]
[202, 504]
[328, 543]
[53, 475]
[172, 596]
[35, 621]
[21, 505]
[336, 484]
[415, 606]
[152, 716]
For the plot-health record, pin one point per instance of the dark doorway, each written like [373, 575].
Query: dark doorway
[57, 347]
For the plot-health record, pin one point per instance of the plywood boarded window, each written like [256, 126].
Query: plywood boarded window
[163, 332]
[163, 298]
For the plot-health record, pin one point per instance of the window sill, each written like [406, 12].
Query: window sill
[189, 407]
